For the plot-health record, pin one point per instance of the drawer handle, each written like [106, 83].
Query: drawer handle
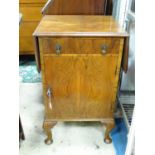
[58, 49]
[104, 49]
[49, 94]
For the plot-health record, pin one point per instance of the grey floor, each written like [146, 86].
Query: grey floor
[72, 138]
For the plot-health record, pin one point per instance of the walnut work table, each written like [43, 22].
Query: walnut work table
[80, 58]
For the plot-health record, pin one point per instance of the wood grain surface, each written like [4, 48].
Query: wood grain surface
[76, 7]
[31, 15]
[54, 25]
[26, 45]
[82, 85]
[79, 45]
[27, 29]
[31, 12]
[32, 1]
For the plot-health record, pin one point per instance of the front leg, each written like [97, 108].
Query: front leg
[47, 125]
[109, 126]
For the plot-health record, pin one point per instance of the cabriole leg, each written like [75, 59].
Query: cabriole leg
[47, 126]
[109, 126]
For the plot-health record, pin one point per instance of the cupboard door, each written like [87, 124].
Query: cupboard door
[81, 85]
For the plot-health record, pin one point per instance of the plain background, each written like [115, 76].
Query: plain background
[145, 77]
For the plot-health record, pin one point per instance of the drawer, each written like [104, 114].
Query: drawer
[26, 45]
[27, 29]
[31, 12]
[80, 45]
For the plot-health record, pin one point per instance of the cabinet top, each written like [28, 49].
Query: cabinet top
[76, 25]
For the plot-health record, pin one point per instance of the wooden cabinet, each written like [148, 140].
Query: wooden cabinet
[80, 61]
[31, 12]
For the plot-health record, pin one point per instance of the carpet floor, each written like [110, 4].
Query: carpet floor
[28, 72]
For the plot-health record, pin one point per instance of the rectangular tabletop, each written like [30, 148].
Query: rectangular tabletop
[75, 25]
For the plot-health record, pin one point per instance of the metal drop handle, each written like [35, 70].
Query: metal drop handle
[49, 95]
[104, 49]
[58, 49]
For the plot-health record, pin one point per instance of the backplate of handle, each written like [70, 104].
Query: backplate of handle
[104, 49]
[49, 95]
[58, 49]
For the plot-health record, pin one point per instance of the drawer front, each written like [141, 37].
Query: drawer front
[26, 45]
[80, 45]
[80, 86]
[27, 28]
[31, 13]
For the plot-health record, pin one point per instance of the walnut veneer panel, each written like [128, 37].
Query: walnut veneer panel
[82, 85]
